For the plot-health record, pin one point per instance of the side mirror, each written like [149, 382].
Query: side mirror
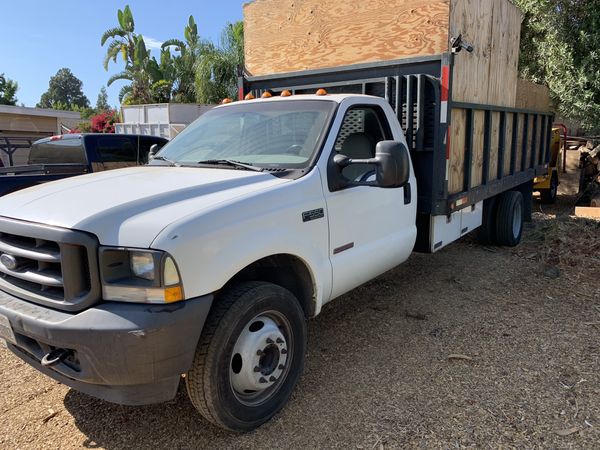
[152, 152]
[391, 162]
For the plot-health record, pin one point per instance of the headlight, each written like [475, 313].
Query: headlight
[142, 265]
[141, 276]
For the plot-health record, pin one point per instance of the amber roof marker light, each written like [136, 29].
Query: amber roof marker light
[286, 93]
[321, 92]
[225, 101]
[249, 96]
[267, 94]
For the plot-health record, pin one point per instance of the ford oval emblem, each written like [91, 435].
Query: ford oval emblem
[8, 261]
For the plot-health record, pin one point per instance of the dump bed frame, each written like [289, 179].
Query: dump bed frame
[420, 91]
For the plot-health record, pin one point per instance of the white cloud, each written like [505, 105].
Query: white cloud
[152, 43]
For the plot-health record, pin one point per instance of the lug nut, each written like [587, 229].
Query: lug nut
[272, 379]
[281, 367]
[257, 369]
[262, 380]
[259, 352]
[279, 341]
[269, 341]
[284, 351]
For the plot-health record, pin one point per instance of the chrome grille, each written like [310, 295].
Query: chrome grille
[38, 264]
[48, 265]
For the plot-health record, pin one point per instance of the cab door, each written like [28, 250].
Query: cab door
[372, 229]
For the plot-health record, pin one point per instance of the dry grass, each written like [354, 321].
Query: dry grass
[566, 242]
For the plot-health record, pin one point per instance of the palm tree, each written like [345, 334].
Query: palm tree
[150, 81]
[123, 38]
[190, 52]
[139, 89]
[217, 68]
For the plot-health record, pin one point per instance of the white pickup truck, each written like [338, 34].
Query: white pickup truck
[209, 261]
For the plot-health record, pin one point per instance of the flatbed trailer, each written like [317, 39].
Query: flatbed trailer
[463, 153]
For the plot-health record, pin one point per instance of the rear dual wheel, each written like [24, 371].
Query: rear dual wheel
[250, 356]
[502, 222]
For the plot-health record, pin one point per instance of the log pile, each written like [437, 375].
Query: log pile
[589, 183]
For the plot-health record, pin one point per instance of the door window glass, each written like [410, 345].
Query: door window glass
[117, 150]
[361, 130]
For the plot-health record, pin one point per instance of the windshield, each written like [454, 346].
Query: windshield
[62, 151]
[280, 134]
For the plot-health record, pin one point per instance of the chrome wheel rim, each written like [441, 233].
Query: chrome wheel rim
[261, 358]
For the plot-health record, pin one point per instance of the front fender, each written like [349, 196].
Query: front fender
[212, 247]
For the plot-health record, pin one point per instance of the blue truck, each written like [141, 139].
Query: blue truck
[68, 155]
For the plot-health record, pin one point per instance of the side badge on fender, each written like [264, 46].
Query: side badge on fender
[315, 214]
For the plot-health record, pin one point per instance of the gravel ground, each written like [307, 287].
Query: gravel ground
[471, 347]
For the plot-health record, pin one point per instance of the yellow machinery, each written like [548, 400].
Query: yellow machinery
[547, 185]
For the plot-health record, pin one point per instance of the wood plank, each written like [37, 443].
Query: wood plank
[509, 138]
[504, 53]
[489, 74]
[457, 151]
[294, 35]
[478, 135]
[533, 96]
[472, 19]
[494, 148]
[590, 213]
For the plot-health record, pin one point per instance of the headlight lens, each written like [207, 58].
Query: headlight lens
[142, 265]
[139, 276]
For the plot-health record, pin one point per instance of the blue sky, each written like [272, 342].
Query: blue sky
[39, 37]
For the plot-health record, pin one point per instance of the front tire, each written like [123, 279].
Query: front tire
[548, 196]
[250, 356]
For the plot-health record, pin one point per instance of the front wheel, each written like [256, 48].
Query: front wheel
[548, 196]
[250, 356]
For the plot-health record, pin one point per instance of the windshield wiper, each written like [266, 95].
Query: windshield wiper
[231, 163]
[162, 158]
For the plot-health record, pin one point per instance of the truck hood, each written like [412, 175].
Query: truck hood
[130, 207]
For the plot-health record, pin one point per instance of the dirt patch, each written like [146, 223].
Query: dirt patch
[471, 347]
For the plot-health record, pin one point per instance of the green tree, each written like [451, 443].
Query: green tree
[560, 47]
[217, 69]
[148, 78]
[8, 90]
[185, 63]
[102, 101]
[65, 91]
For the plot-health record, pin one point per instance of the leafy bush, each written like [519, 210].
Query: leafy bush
[104, 122]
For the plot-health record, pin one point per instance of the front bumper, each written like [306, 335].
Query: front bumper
[131, 354]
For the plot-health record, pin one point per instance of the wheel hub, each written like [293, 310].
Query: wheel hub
[259, 356]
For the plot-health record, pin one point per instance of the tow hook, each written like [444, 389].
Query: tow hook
[56, 356]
